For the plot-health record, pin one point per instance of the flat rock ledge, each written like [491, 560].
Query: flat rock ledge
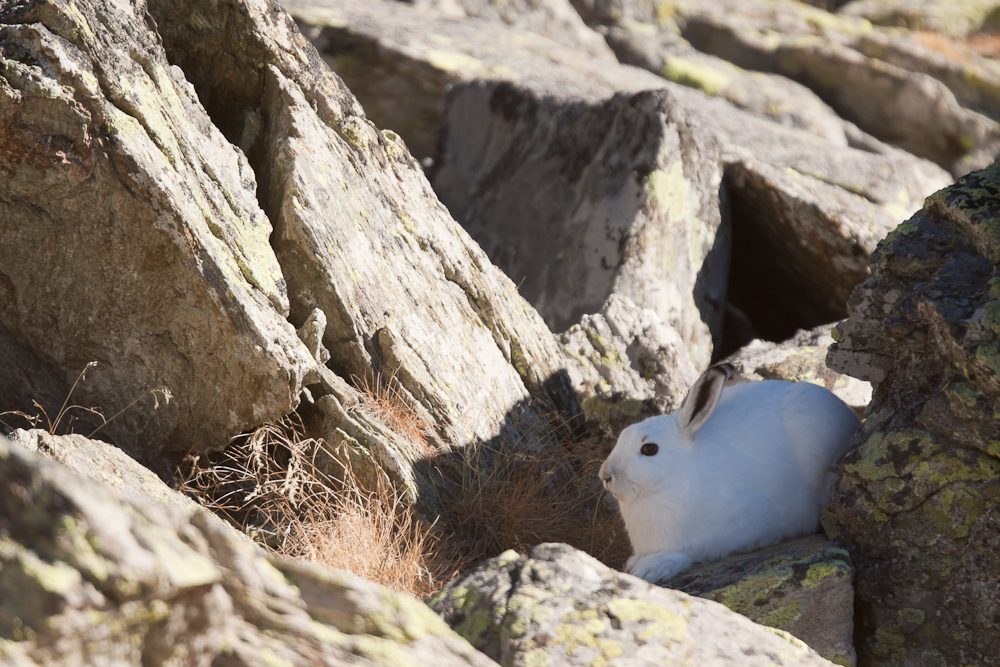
[558, 606]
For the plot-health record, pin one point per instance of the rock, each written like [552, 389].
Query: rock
[555, 19]
[905, 108]
[802, 586]
[92, 575]
[801, 358]
[357, 233]
[974, 80]
[917, 500]
[102, 463]
[623, 200]
[628, 353]
[606, 12]
[622, 217]
[132, 236]
[558, 606]
[662, 51]
[538, 170]
[957, 19]
[387, 52]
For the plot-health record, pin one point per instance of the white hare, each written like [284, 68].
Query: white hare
[730, 471]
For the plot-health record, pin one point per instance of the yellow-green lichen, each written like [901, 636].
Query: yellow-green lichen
[710, 80]
[817, 572]
[536, 658]
[655, 620]
[782, 616]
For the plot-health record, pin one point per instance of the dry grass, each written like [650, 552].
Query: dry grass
[276, 485]
[384, 401]
[511, 494]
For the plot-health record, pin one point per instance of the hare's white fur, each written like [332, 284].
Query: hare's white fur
[735, 470]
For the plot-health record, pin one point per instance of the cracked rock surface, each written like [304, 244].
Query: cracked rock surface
[558, 606]
[918, 496]
[90, 575]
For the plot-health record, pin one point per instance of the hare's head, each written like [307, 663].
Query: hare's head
[647, 454]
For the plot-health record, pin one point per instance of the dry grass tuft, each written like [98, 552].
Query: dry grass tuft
[274, 485]
[513, 493]
[385, 402]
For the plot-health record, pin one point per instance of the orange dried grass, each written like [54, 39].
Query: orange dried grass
[512, 493]
[270, 484]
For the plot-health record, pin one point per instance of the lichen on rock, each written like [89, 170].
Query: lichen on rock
[917, 499]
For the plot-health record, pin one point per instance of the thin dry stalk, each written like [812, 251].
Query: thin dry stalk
[385, 402]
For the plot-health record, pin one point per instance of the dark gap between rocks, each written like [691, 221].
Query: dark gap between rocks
[764, 299]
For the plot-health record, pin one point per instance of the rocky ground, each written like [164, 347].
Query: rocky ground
[529, 223]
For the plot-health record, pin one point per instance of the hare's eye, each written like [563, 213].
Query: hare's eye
[649, 449]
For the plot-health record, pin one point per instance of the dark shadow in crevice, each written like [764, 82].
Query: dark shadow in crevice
[763, 291]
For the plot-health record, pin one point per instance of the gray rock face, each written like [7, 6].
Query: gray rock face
[623, 199]
[801, 358]
[661, 50]
[954, 18]
[630, 352]
[132, 235]
[917, 499]
[555, 19]
[558, 606]
[903, 107]
[90, 575]
[518, 154]
[357, 235]
[802, 586]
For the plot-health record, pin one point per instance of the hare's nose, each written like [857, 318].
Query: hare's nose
[605, 476]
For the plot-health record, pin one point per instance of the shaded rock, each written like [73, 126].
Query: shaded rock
[801, 586]
[663, 51]
[555, 19]
[627, 353]
[905, 108]
[917, 499]
[559, 606]
[605, 12]
[624, 199]
[518, 153]
[388, 53]
[953, 18]
[801, 358]
[357, 234]
[132, 235]
[91, 575]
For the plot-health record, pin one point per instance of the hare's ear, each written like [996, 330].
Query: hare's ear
[702, 399]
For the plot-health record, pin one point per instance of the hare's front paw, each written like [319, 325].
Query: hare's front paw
[659, 566]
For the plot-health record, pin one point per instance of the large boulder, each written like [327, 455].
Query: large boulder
[661, 50]
[918, 496]
[557, 606]
[957, 19]
[555, 19]
[818, 49]
[624, 199]
[91, 575]
[517, 153]
[202, 287]
[802, 586]
[132, 235]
